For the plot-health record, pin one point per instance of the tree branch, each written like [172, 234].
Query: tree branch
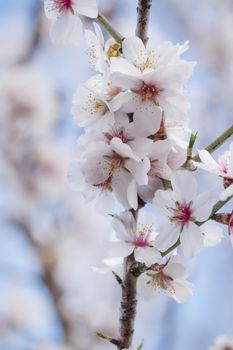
[143, 11]
[217, 142]
[109, 28]
[48, 263]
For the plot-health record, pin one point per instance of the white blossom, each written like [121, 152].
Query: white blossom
[222, 168]
[183, 209]
[171, 277]
[67, 25]
[138, 237]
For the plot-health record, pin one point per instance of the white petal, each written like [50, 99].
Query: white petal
[184, 185]
[67, 29]
[139, 170]
[191, 240]
[134, 50]
[228, 192]
[122, 149]
[87, 8]
[147, 119]
[209, 162]
[168, 237]
[132, 195]
[120, 249]
[147, 255]
[212, 234]
[180, 291]
[203, 205]
[122, 232]
[163, 200]
[121, 65]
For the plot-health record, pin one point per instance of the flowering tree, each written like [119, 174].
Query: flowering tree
[138, 150]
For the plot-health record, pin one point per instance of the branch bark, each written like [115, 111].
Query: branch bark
[48, 264]
[143, 11]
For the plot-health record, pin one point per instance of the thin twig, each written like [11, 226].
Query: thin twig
[103, 21]
[143, 11]
[217, 142]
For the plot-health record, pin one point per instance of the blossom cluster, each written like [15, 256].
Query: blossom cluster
[134, 112]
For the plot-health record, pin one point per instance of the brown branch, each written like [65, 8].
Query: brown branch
[128, 305]
[143, 11]
[48, 263]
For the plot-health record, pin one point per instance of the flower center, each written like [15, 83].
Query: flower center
[148, 92]
[140, 240]
[105, 185]
[227, 181]
[114, 50]
[182, 213]
[64, 5]
[161, 280]
[117, 133]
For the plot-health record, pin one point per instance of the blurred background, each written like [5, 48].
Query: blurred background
[49, 238]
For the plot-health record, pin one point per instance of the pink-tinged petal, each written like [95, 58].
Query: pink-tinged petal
[191, 240]
[67, 29]
[208, 162]
[202, 205]
[184, 185]
[147, 118]
[51, 10]
[134, 50]
[120, 249]
[121, 65]
[132, 195]
[163, 200]
[168, 237]
[147, 255]
[139, 170]
[122, 149]
[87, 8]
[212, 234]
[180, 291]
[228, 192]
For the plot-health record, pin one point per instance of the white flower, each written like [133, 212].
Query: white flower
[67, 25]
[100, 53]
[222, 168]
[137, 237]
[222, 343]
[164, 158]
[147, 58]
[171, 277]
[95, 102]
[152, 90]
[183, 208]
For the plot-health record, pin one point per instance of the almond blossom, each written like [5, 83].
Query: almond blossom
[100, 53]
[67, 25]
[183, 208]
[171, 277]
[222, 343]
[222, 168]
[138, 237]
